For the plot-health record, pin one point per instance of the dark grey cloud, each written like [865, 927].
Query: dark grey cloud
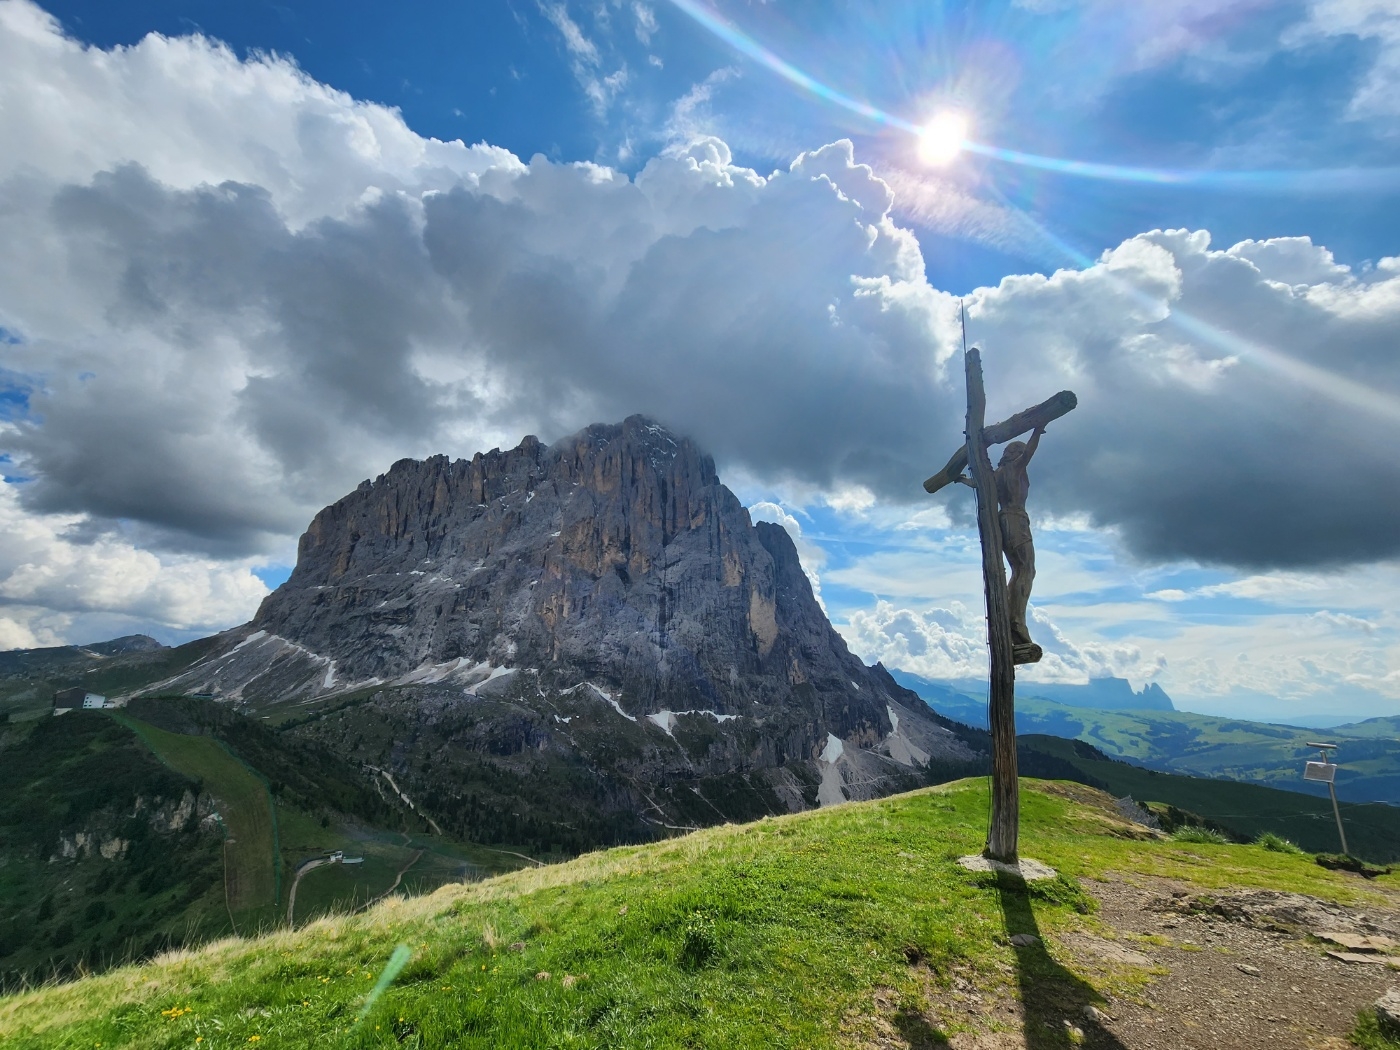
[236, 308]
[236, 356]
[249, 372]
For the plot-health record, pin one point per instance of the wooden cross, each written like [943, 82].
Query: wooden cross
[1004, 655]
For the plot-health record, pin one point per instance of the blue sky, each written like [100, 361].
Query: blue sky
[727, 196]
[1056, 79]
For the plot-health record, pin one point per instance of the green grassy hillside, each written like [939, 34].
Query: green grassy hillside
[805, 931]
[102, 854]
[252, 856]
[174, 821]
[1248, 810]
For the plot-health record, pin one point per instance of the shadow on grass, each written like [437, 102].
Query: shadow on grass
[914, 1028]
[1050, 994]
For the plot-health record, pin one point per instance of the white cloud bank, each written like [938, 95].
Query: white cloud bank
[55, 588]
[237, 292]
[950, 643]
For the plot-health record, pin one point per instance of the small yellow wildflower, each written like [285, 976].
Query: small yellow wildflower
[254, 1038]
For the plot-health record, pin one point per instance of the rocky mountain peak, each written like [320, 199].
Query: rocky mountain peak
[612, 565]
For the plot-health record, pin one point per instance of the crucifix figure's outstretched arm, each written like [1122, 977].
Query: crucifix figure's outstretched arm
[1034, 442]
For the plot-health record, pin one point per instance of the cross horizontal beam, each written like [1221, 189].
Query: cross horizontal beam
[1045, 412]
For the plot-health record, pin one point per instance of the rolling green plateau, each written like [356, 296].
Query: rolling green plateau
[820, 929]
[1244, 811]
[173, 821]
[1368, 754]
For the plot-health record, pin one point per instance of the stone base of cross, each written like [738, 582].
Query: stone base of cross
[1004, 652]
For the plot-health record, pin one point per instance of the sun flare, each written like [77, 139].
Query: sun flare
[942, 138]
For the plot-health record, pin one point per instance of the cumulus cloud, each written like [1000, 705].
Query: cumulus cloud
[52, 583]
[1228, 411]
[237, 292]
[937, 643]
[192, 113]
[1374, 21]
[951, 643]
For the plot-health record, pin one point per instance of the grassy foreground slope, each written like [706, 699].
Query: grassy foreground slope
[789, 932]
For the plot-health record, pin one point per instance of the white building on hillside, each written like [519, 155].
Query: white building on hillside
[66, 700]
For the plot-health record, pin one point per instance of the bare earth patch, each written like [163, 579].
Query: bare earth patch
[1242, 971]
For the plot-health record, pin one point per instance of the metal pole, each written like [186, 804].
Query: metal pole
[1338, 814]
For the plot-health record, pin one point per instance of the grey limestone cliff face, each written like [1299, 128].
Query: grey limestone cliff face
[611, 567]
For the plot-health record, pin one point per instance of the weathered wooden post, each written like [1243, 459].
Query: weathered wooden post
[1004, 653]
[1006, 795]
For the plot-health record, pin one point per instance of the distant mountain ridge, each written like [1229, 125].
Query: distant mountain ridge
[1103, 694]
[21, 661]
[1194, 744]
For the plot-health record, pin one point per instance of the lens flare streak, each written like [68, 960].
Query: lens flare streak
[747, 45]
[1323, 180]
[1339, 388]
[1381, 404]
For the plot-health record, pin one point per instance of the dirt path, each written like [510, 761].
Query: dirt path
[302, 869]
[1292, 996]
[398, 879]
[406, 800]
[512, 853]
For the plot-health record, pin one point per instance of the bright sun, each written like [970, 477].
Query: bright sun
[942, 138]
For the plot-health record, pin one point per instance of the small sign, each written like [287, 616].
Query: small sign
[1323, 771]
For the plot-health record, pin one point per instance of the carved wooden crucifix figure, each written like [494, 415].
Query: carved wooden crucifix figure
[1004, 527]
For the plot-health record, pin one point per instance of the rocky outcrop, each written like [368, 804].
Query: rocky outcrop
[101, 835]
[613, 562]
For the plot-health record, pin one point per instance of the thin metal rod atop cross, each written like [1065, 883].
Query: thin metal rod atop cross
[995, 496]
